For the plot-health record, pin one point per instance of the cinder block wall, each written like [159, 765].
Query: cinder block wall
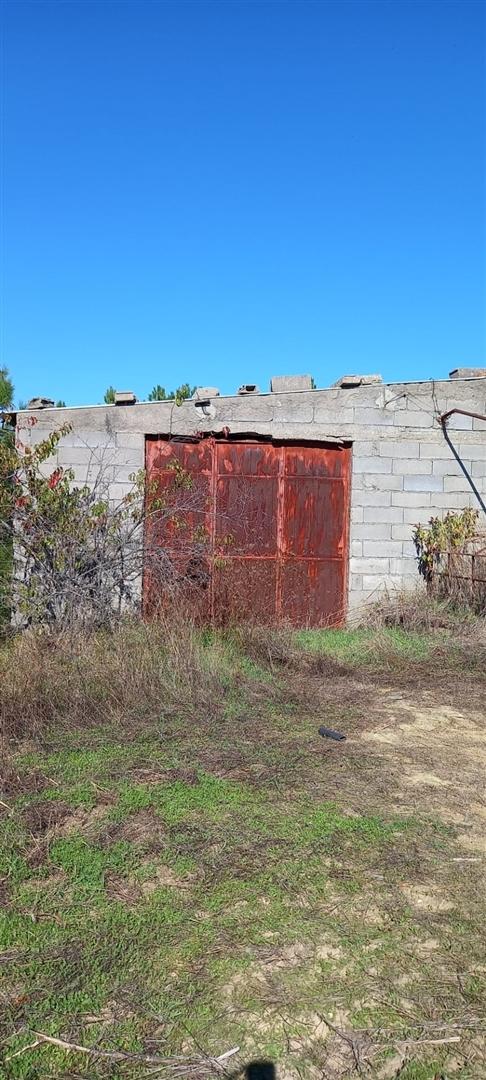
[404, 471]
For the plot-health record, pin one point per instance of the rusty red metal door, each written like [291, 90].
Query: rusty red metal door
[262, 532]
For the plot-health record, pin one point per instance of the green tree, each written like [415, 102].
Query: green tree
[158, 393]
[183, 392]
[6, 389]
[109, 398]
[60, 404]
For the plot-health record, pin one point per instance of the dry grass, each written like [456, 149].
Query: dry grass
[139, 673]
[189, 865]
[416, 610]
[125, 677]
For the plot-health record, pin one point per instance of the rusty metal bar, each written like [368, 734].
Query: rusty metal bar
[463, 412]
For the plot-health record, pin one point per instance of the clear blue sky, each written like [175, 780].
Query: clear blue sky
[219, 192]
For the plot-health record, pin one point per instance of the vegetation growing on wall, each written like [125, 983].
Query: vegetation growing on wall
[443, 535]
[68, 541]
[159, 393]
[79, 555]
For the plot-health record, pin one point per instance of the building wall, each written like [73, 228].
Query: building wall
[404, 471]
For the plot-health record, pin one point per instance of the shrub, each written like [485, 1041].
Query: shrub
[79, 556]
[441, 536]
[75, 556]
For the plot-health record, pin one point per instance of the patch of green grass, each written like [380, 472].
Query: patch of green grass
[13, 865]
[365, 646]
[307, 825]
[76, 765]
[176, 801]
[257, 903]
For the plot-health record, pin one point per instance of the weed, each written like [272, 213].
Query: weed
[188, 864]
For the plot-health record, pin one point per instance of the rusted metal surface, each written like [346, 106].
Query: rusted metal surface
[462, 412]
[267, 523]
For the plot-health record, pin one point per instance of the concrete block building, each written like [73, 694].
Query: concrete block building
[337, 476]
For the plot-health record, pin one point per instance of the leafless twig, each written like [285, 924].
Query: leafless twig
[188, 1066]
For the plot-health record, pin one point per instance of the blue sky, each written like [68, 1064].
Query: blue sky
[219, 192]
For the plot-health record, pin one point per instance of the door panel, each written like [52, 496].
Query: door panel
[268, 523]
[313, 517]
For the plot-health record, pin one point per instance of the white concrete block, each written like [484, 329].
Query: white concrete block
[357, 515]
[90, 473]
[435, 450]
[325, 415]
[371, 498]
[457, 422]
[414, 419]
[404, 567]
[367, 531]
[84, 455]
[459, 483]
[414, 499]
[283, 384]
[126, 457]
[123, 475]
[370, 566]
[377, 583]
[472, 451]
[118, 491]
[415, 516]
[454, 500]
[373, 418]
[382, 548]
[305, 415]
[371, 465]
[404, 531]
[379, 514]
[89, 437]
[356, 548]
[366, 448]
[378, 481]
[355, 599]
[399, 448]
[412, 466]
[130, 440]
[423, 483]
[449, 467]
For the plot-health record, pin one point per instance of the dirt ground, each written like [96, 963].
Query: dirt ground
[436, 754]
[185, 888]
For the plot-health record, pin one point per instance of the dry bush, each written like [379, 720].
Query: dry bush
[456, 636]
[415, 609]
[137, 672]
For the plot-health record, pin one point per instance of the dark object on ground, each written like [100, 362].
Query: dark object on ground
[260, 1070]
[328, 733]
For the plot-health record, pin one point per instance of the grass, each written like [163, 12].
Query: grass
[363, 646]
[187, 866]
